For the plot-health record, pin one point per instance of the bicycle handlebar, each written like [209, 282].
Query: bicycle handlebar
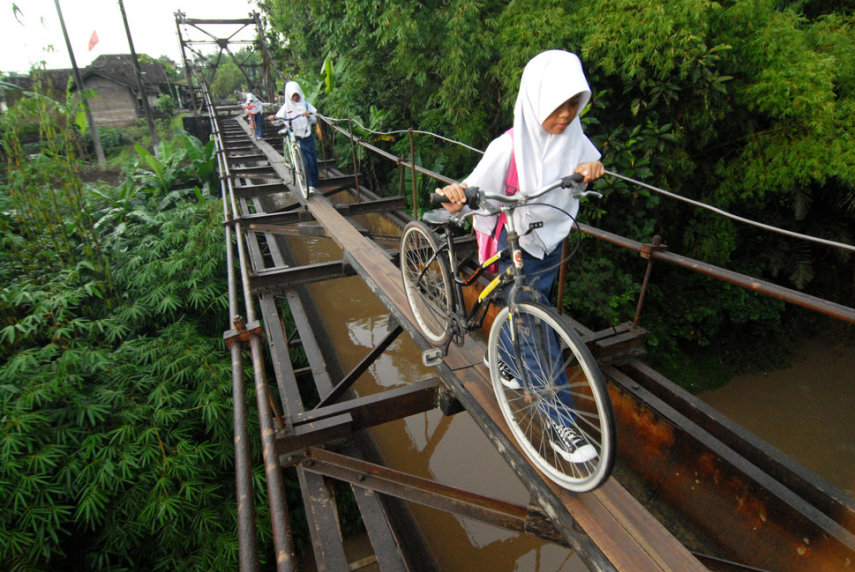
[475, 197]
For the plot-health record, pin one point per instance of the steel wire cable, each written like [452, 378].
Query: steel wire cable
[669, 194]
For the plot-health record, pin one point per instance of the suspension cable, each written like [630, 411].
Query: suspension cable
[770, 228]
[738, 218]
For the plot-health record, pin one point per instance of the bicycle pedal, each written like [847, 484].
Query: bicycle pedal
[432, 357]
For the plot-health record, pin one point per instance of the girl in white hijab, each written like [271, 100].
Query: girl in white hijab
[254, 107]
[546, 143]
[304, 116]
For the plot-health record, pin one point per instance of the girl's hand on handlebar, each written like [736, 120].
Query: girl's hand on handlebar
[453, 192]
[591, 171]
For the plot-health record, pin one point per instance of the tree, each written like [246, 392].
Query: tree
[228, 81]
[116, 437]
[742, 105]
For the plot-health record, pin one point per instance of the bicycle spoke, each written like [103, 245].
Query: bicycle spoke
[426, 283]
[558, 411]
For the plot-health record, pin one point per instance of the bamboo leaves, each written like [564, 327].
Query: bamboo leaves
[115, 432]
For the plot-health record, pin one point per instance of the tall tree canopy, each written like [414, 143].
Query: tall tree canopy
[745, 105]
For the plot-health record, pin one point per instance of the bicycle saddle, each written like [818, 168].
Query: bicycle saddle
[442, 216]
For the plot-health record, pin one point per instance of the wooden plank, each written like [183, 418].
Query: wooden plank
[322, 517]
[625, 533]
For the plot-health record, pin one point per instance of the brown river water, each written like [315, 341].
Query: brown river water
[804, 410]
[450, 450]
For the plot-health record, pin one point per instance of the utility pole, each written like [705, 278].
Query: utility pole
[96, 138]
[155, 140]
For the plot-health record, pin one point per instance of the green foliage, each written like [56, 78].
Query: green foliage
[747, 106]
[178, 162]
[116, 428]
[47, 226]
[166, 104]
[229, 82]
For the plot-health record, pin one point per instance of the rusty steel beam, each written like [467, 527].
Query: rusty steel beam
[341, 419]
[284, 278]
[252, 171]
[761, 286]
[277, 218]
[750, 516]
[831, 501]
[246, 191]
[524, 520]
[364, 207]
[349, 379]
[282, 537]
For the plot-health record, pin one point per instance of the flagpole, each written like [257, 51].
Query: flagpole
[96, 138]
[155, 140]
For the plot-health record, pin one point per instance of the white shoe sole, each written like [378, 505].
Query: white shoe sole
[581, 455]
[512, 384]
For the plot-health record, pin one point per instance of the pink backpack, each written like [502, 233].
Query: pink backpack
[488, 245]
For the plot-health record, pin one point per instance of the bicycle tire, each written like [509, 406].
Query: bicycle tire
[427, 282]
[286, 157]
[530, 411]
[300, 171]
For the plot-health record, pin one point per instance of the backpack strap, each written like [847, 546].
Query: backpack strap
[512, 185]
[488, 245]
[512, 180]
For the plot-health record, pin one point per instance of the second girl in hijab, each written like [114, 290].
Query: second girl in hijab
[304, 116]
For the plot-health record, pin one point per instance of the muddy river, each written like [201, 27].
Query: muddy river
[804, 410]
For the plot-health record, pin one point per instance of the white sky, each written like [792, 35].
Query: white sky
[38, 36]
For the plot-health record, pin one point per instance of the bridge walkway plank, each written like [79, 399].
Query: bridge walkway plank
[618, 533]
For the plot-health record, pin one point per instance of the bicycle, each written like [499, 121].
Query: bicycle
[549, 388]
[293, 156]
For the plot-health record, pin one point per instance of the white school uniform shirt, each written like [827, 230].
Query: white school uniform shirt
[302, 125]
[548, 80]
[253, 105]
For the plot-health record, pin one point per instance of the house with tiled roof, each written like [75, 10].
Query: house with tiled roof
[117, 101]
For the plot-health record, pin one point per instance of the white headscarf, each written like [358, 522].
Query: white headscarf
[548, 80]
[252, 104]
[302, 125]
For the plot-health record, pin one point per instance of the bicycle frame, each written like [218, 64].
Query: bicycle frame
[548, 386]
[289, 144]
[475, 317]
[514, 273]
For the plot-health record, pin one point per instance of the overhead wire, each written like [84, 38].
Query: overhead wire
[669, 194]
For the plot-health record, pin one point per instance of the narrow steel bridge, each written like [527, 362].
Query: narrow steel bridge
[758, 508]
[608, 528]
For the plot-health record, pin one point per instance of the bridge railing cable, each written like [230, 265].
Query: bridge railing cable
[663, 192]
[814, 303]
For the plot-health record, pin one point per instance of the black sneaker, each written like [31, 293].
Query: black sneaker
[505, 375]
[570, 445]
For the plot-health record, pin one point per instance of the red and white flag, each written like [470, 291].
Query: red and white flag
[93, 40]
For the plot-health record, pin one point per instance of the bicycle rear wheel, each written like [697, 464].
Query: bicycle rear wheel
[552, 395]
[300, 171]
[427, 282]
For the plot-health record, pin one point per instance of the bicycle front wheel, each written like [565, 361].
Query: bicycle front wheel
[427, 282]
[552, 395]
[300, 171]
